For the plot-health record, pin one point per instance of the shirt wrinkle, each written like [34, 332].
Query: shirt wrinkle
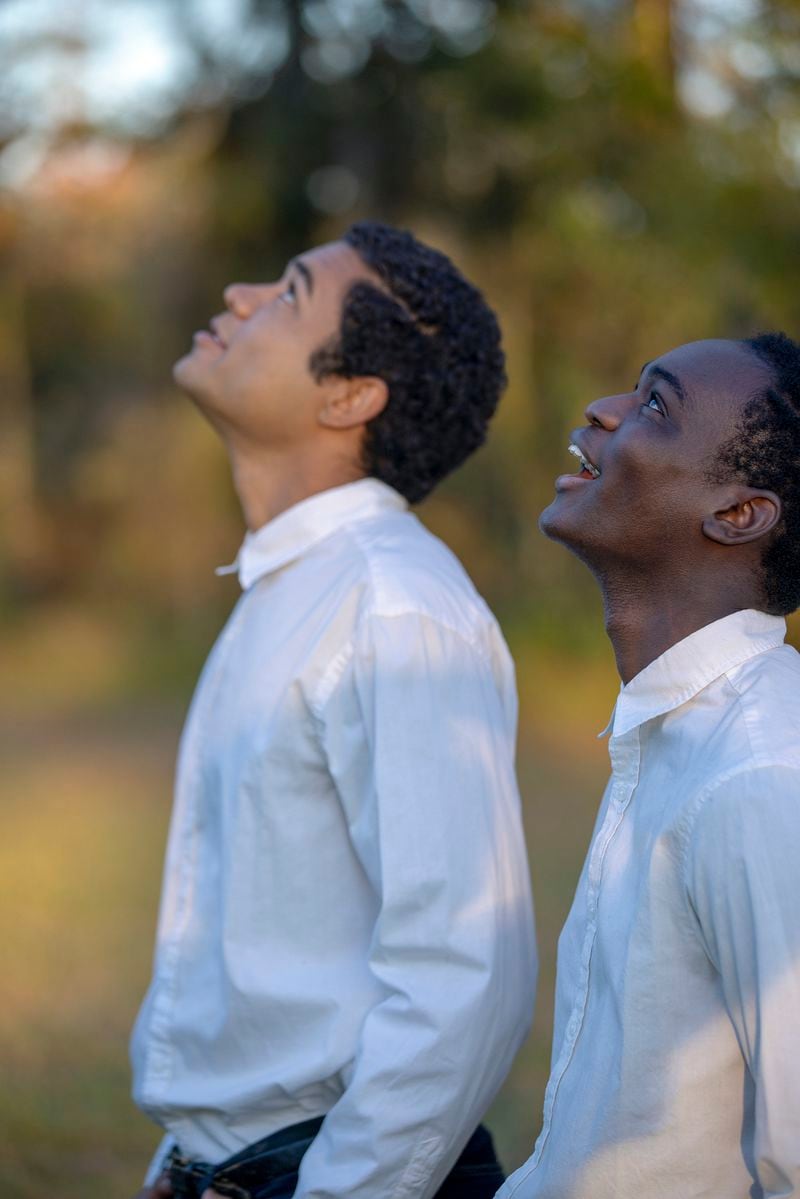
[305, 925]
[660, 1034]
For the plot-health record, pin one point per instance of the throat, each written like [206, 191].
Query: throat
[643, 623]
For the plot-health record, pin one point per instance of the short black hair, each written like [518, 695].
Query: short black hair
[431, 336]
[765, 452]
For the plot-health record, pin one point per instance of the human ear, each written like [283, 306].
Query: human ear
[747, 515]
[348, 403]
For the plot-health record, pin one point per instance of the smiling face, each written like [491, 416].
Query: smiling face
[643, 498]
[249, 372]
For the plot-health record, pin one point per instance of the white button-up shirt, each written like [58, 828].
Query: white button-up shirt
[676, 1054]
[346, 924]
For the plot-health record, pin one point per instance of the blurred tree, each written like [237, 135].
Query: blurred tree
[653, 36]
[620, 174]
[20, 520]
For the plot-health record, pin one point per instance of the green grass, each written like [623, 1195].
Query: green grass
[84, 803]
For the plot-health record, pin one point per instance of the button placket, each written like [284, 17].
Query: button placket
[159, 1056]
[625, 756]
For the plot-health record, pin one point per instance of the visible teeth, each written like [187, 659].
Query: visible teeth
[593, 471]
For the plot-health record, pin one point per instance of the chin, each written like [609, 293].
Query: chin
[189, 377]
[556, 525]
[552, 523]
[182, 370]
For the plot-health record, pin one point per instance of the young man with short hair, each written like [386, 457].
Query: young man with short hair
[676, 1054]
[345, 962]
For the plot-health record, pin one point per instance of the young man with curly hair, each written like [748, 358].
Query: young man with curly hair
[676, 1054]
[345, 963]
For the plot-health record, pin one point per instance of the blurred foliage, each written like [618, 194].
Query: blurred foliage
[620, 176]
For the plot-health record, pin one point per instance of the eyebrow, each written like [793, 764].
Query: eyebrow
[305, 273]
[660, 372]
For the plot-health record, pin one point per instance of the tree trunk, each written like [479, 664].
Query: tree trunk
[653, 29]
[22, 539]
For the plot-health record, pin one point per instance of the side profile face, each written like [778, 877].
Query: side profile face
[249, 371]
[646, 499]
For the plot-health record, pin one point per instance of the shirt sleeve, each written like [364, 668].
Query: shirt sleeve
[419, 735]
[743, 883]
[156, 1167]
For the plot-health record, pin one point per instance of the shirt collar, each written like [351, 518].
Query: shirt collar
[292, 533]
[687, 667]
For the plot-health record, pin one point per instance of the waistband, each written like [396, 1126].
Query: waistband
[267, 1159]
[279, 1155]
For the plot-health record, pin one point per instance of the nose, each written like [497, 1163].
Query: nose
[242, 299]
[609, 411]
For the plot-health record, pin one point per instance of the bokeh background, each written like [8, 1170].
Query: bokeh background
[619, 175]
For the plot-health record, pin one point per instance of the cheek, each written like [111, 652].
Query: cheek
[658, 499]
[655, 459]
[627, 482]
[259, 362]
[646, 488]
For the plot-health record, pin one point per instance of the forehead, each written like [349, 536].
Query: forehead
[336, 266]
[716, 375]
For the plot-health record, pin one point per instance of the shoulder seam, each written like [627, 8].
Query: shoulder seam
[338, 664]
[698, 805]
[481, 610]
[707, 793]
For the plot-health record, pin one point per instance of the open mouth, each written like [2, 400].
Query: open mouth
[588, 469]
[209, 336]
[212, 330]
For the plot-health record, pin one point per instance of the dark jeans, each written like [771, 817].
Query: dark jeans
[268, 1169]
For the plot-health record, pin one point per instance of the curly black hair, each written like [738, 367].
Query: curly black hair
[765, 452]
[431, 336]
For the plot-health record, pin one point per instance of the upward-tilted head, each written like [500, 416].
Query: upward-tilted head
[375, 345]
[764, 451]
[692, 478]
[431, 336]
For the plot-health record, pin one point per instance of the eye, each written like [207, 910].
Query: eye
[289, 295]
[655, 403]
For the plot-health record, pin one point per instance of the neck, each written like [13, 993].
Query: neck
[644, 618]
[269, 482]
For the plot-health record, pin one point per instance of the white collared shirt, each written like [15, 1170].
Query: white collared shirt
[346, 924]
[676, 1051]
